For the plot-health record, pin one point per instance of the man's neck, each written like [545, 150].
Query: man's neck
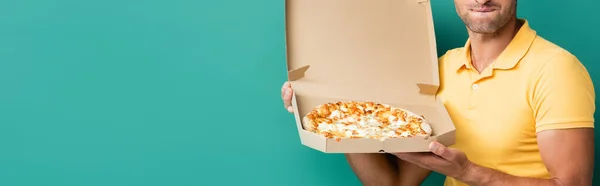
[485, 48]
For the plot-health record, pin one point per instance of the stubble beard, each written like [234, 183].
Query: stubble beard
[487, 27]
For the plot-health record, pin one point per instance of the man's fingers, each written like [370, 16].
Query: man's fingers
[442, 151]
[288, 93]
[287, 100]
[409, 157]
[284, 91]
[425, 160]
[285, 86]
[286, 96]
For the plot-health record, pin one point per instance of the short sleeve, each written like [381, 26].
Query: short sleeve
[563, 94]
[441, 58]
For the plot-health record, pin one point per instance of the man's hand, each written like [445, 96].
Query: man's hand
[448, 161]
[286, 96]
[556, 146]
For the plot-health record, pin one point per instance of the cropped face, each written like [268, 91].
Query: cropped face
[485, 16]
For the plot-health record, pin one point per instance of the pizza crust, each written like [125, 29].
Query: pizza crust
[356, 119]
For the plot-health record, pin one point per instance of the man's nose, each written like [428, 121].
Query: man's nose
[482, 2]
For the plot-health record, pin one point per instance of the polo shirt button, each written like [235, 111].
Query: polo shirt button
[475, 86]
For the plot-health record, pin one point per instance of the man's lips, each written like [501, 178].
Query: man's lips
[483, 9]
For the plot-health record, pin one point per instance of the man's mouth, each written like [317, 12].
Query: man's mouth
[483, 9]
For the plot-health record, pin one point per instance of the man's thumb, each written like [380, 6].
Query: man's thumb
[441, 150]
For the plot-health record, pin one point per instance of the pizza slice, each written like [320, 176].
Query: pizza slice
[358, 119]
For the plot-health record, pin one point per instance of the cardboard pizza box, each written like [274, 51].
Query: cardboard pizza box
[365, 50]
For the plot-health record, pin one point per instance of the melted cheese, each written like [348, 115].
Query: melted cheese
[346, 122]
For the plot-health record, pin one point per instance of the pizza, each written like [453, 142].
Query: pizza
[364, 119]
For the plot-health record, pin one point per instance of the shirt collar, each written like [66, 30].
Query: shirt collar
[511, 55]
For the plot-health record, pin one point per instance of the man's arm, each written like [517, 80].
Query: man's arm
[384, 169]
[411, 174]
[562, 99]
[568, 155]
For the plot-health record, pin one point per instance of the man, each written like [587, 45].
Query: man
[523, 109]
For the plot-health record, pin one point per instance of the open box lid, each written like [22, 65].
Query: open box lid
[365, 50]
[383, 50]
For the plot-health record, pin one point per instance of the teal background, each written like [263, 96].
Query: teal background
[132, 93]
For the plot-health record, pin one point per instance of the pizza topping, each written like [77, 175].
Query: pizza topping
[353, 119]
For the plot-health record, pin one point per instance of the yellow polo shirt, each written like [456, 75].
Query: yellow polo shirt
[533, 86]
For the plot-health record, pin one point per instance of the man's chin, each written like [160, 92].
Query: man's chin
[482, 28]
[483, 31]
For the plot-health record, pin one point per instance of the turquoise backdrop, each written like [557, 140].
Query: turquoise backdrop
[141, 93]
